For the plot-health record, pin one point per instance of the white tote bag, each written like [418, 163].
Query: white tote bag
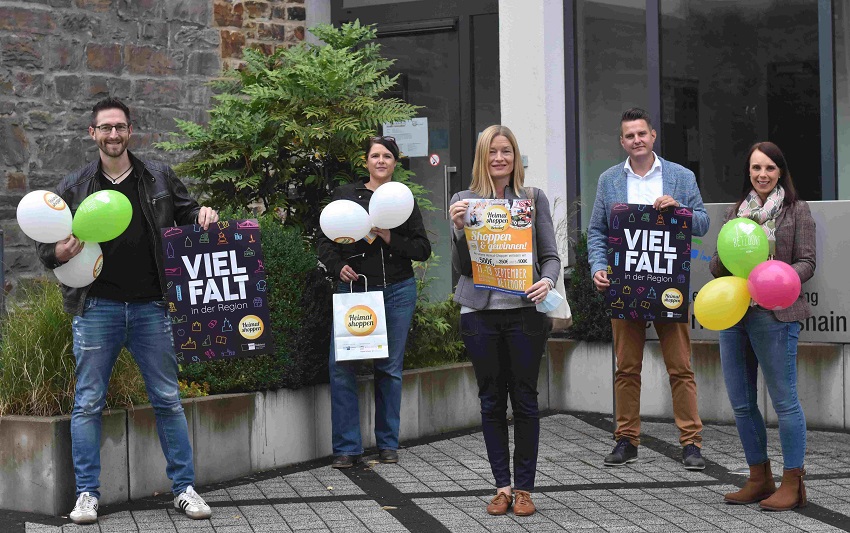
[360, 326]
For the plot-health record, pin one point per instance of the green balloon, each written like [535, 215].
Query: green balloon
[102, 216]
[741, 245]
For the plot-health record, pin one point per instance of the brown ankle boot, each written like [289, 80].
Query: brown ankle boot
[759, 486]
[791, 493]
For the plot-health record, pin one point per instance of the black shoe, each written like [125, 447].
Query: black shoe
[345, 461]
[388, 456]
[624, 452]
[692, 458]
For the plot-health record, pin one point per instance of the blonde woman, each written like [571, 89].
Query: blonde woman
[504, 334]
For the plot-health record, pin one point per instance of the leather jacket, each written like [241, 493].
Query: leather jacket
[164, 200]
[382, 264]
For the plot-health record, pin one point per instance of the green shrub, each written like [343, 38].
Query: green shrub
[290, 126]
[37, 360]
[434, 337]
[289, 263]
[586, 303]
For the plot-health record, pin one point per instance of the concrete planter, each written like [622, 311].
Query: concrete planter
[236, 434]
[232, 435]
[581, 379]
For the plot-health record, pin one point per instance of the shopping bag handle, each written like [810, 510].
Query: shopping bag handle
[365, 283]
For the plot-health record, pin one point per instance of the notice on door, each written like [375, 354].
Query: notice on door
[410, 135]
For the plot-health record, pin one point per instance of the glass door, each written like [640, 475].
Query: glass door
[446, 56]
[427, 65]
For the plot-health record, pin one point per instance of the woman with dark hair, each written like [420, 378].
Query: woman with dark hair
[769, 338]
[504, 334]
[386, 265]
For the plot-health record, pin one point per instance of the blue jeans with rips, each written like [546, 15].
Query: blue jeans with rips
[399, 304]
[144, 328]
[759, 339]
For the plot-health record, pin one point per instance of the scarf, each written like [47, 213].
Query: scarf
[765, 214]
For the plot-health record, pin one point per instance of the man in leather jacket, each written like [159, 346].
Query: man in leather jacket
[126, 306]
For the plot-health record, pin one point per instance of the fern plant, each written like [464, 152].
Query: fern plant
[290, 126]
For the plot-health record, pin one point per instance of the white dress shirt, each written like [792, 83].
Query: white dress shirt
[645, 189]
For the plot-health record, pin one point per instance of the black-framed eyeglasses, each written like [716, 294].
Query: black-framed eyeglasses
[107, 128]
[383, 138]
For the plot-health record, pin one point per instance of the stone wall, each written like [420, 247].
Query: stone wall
[58, 57]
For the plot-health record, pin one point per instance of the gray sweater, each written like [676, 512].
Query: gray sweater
[545, 257]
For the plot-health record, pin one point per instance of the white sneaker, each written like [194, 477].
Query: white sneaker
[191, 503]
[85, 510]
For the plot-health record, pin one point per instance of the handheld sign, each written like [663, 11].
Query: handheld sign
[217, 291]
[649, 260]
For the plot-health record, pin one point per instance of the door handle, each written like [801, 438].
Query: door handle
[446, 171]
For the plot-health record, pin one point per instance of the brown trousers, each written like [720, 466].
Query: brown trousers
[629, 340]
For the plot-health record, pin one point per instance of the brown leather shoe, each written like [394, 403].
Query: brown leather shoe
[791, 493]
[500, 504]
[759, 486]
[523, 506]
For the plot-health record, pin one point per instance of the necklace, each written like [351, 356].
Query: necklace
[115, 179]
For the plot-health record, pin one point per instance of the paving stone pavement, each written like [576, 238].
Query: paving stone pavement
[443, 484]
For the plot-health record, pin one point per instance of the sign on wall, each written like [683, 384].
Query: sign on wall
[827, 292]
[648, 263]
[217, 291]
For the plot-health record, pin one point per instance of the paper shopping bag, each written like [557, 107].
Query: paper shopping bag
[360, 326]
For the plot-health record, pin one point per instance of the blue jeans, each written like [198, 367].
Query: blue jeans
[759, 339]
[399, 304]
[144, 328]
[505, 347]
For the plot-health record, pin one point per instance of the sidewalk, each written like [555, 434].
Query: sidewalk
[443, 485]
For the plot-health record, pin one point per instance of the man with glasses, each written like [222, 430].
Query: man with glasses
[126, 306]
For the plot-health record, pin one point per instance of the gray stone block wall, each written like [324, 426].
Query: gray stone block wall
[58, 57]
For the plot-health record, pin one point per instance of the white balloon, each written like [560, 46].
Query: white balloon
[391, 205]
[44, 216]
[344, 221]
[83, 268]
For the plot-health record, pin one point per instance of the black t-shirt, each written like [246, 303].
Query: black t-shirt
[129, 271]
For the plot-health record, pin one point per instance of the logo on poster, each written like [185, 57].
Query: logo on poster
[671, 298]
[251, 327]
[496, 218]
[360, 320]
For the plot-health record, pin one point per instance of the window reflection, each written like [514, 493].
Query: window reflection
[612, 77]
[734, 73]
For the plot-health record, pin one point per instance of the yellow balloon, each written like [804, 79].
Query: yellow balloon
[722, 302]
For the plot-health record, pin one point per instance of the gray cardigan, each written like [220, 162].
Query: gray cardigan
[545, 257]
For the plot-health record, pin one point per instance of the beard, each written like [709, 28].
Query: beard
[112, 148]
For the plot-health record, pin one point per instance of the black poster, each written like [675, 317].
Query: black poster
[217, 291]
[649, 263]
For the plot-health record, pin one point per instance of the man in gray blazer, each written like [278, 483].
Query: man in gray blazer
[645, 178]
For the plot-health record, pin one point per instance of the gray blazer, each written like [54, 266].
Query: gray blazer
[795, 245]
[547, 263]
[677, 181]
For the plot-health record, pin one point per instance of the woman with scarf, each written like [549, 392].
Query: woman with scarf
[768, 338]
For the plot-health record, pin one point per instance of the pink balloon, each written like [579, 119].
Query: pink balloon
[774, 285]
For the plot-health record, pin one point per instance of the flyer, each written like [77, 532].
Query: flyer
[498, 234]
